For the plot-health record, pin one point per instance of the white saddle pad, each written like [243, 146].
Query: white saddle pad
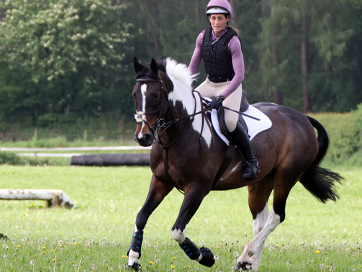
[254, 126]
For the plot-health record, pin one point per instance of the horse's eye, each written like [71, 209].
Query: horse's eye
[155, 95]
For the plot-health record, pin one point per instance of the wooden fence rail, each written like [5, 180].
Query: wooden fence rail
[55, 198]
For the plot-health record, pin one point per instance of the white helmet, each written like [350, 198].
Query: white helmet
[218, 6]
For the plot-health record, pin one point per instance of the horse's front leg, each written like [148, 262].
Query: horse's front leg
[156, 194]
[190, 204]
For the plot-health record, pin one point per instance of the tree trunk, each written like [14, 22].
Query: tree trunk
[357, 62]
[304, 59]
[327, 66]
[149, 10]
[67, 110]
[197, 11]
[2, 14]
[265, 9]
[278, 94]
[233, 10]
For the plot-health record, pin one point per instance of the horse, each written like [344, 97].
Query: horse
[186, 154]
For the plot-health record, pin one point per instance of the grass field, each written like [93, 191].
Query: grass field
[96, 234]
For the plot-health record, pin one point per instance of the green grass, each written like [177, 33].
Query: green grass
[95, 236]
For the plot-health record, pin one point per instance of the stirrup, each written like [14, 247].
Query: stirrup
[251, 172]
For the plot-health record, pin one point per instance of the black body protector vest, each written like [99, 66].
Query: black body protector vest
[217, 58]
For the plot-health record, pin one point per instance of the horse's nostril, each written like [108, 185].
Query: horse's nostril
[145, 140]
[146, 137]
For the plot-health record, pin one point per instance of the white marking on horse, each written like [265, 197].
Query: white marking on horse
[231, 171]
[258, 225]
[133, 256]
[182, 82]
[259, 221]
[178, 235]
[143, 92]
[252, 248]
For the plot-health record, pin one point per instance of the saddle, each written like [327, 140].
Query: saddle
[244, 105]
[255, 122]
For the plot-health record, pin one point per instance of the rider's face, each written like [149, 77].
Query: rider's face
[218, 22]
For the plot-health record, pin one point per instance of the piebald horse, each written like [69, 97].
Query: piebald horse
[187, 155]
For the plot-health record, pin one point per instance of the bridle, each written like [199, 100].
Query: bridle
[162, 125]
[162, 111]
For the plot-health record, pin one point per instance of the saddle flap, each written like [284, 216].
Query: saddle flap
[223, 128]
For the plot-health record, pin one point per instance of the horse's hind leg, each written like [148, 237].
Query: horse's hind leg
[252, 252]
[258, 203]
[156, 194]
[258, 225]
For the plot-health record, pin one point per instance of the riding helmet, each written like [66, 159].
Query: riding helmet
[218, 6]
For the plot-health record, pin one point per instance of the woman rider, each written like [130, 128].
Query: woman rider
[220, 48]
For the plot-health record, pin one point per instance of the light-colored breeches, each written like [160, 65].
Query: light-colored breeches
[211, 89]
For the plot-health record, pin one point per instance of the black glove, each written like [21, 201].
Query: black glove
[215, 104]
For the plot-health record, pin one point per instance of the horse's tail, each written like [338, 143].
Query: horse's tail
[319, 181]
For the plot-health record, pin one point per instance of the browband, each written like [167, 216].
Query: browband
[148, 80]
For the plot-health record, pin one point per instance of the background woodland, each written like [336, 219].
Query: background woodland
[69, 61]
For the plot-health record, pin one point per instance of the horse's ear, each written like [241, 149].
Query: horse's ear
[137, 65]
[166, 81]
[154, 67]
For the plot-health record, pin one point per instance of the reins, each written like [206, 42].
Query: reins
[172, 122]
[161, 126]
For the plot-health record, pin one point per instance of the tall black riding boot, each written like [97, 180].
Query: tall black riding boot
[240, 138]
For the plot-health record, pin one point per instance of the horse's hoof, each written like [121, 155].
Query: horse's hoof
[134, 266]
[3, 236]
[207, 257]
[243, 266]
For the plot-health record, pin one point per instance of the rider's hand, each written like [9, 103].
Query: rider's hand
[215, 104]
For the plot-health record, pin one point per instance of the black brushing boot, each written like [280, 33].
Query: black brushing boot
[240, 138]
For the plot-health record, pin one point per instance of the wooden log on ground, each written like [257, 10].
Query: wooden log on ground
[111, 159]
[55, 198]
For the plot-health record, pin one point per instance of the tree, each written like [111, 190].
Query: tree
[304, 55]
[279, 48]
[318, 34]
[336, 72]
[248, 16]
[70, 50]
[74, 58]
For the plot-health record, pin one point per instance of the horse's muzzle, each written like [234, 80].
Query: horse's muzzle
[145, 140]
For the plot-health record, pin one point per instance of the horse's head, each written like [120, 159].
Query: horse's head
[151, 98]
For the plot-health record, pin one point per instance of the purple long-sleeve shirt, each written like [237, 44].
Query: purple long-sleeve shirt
[234, 48]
